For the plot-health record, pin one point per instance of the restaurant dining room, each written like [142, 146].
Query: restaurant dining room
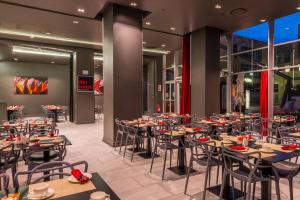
[152, 100]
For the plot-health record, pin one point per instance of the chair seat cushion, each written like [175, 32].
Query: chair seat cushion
[285, 168]
[39, 156]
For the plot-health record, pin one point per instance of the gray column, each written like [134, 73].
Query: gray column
[229, 77]
[270, 70]
[83, 102]
[205, 71]
[122, 66]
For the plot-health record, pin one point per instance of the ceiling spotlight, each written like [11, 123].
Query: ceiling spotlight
[298, 8]
[148, 23]
[163, 45]
[263, 20]
[218, 6]
[75, 22]
[134, 4]
[52, 62]
[173, 28]
[16, 59]
[48, 33]
[81, 10]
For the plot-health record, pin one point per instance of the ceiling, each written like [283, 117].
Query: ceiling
[184, 15]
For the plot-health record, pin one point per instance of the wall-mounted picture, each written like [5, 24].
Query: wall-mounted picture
[98, 87]
[31, 85]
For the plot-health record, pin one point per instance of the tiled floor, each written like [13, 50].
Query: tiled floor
[132, 181]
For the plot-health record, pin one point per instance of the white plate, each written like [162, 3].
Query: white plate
[72, 179]
[33, 196]
[266, 151]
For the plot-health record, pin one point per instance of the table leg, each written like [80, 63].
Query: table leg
[266, 186]
[46, 159]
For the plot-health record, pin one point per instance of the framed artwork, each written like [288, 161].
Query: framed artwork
[98, 87]
[85, 83]
[25, 85]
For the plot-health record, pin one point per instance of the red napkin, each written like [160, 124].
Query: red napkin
[163, 131]
[198, 129]
[162, 123]
[238, 148]
[203, 139]
[290, 147]
[10, 138]
[79, 176]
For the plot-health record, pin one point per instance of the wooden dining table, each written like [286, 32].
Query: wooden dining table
[64, 190]
[277, 155]
[181, 168]
[144, 126]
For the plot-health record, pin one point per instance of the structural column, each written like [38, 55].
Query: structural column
[122, 67]
[270, 70]
[83, 102]
[229, 73]
[205, 71]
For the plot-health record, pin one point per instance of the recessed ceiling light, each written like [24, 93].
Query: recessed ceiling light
[263, 20]
[148, 23]
[144, 42]
[298, 8]
[16, 59]
[52, 62]
[75, 22]
[218, 6]
[163, 45]
[173, 28]
[81, 10]
[134, 4]
[48, 33]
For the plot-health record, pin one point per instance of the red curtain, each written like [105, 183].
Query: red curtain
[264, 97]
[185, 106]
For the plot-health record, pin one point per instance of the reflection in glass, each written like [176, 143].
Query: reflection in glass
[169, 74]
[167, 91]
[254, 60]
[251, 92]
[172, 91]
[287, 91]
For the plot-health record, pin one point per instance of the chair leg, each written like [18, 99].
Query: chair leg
[188, 175]
[253, 192]
[248, 191]
[132, 149]
[121, 143]
[125, 146]
[153, 156]
[208, 168]
[218, 168]
[291, 188]
[115, 145]
[223, 185]
[171, 153]
[164, 167]
[232, 187]
[277, 189]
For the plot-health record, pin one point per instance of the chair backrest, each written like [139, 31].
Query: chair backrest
[199, 149]
[9, 156]
[30, 152]
[4, 181]
[47, 170]
[231, 157]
